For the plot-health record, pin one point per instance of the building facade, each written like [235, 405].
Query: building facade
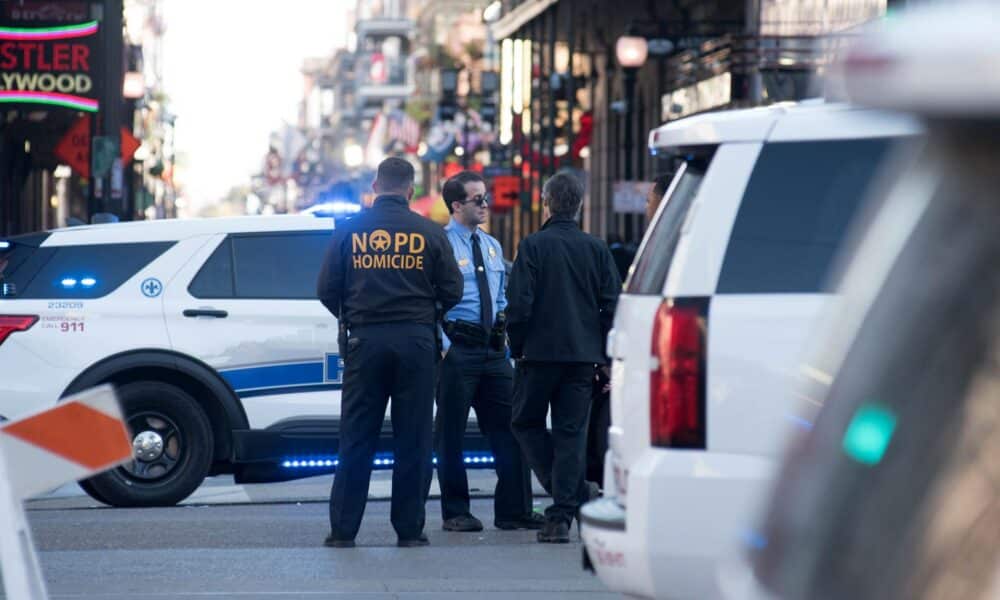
[568, 101]
[92, 82]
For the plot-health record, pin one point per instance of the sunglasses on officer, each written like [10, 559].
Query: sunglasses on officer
[480, 200]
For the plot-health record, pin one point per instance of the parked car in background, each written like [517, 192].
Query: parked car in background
[726, 290]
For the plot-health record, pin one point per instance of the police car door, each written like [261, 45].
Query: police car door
[246, 306]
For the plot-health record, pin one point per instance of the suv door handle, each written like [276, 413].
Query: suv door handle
[205, 312]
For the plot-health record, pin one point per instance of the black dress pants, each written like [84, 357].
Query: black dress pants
[394, 360]
[597, 430]
[558, 458]
[482, 379]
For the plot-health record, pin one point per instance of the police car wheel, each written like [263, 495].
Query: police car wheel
[171, 448]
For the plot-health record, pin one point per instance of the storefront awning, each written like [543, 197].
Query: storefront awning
[517, 18]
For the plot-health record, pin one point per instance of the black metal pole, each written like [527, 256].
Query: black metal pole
[129, 193]
[111, 104]
[630, 73]
[570, 83]
[550, 150]
[92, 204]
[611, 138]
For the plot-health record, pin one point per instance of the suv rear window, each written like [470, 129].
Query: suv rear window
[798, 204]
[79, 272]
[653, 262]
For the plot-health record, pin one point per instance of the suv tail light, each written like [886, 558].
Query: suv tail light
[677, 380]
[11, 323]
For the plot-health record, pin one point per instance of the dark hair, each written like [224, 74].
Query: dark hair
[660, 184]
[564, 194]
[393, 175]
[454, 189]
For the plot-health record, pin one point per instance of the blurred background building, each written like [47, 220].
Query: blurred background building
[520, 89]
[584, 81]
[64, 99]
[515, 89]
[379, 97]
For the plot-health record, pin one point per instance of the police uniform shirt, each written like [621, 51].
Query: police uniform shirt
[389, 264]
[467, 308]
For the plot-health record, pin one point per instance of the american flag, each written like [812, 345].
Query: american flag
[405, 129]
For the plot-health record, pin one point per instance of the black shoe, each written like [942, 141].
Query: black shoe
[528, 521]
[463, 523]
[415, 543]
[593, 490]
[554, 532]
[332, 542]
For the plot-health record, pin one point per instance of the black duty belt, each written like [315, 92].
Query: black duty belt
[466, 333]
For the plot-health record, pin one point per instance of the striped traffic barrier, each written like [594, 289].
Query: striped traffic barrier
[79, 437]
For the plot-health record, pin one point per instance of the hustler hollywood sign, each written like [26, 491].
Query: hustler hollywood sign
[49, 65]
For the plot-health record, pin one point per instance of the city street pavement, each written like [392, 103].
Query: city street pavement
[222, 490]
[264, 542]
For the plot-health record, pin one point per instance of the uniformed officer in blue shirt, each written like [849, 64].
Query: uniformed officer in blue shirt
[476, 371]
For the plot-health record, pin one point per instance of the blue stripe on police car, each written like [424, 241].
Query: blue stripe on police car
[277, 378]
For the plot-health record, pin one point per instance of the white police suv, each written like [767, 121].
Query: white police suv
[224, 360]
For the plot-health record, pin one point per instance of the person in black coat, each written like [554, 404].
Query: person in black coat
[387, 274]
[563, 290]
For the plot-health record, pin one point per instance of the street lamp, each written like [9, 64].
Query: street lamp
[492, 12]
[354, 156]
[631, 52]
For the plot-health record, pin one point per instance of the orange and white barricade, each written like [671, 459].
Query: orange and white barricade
[79, 437]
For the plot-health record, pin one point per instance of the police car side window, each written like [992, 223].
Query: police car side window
[87, 271]
[278, 265]
[215, 279]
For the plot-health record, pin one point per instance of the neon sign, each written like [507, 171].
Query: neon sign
[49, 65]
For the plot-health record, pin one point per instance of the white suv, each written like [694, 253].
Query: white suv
[224, 360]
[719, 305]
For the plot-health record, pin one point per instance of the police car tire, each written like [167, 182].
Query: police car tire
[117, 488]
[88, 487]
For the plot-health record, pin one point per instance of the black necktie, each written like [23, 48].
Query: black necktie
[485, 301]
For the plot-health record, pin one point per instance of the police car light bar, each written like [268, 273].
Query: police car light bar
[5, 245]
[380, 461]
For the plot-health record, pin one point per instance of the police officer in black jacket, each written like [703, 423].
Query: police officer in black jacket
[386, 276]
[563, 290]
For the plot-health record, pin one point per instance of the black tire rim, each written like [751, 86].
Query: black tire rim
[157, 446]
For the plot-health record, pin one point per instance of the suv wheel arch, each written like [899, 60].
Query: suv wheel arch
[203, 383]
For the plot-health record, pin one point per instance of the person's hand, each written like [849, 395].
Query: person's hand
[603, 372]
